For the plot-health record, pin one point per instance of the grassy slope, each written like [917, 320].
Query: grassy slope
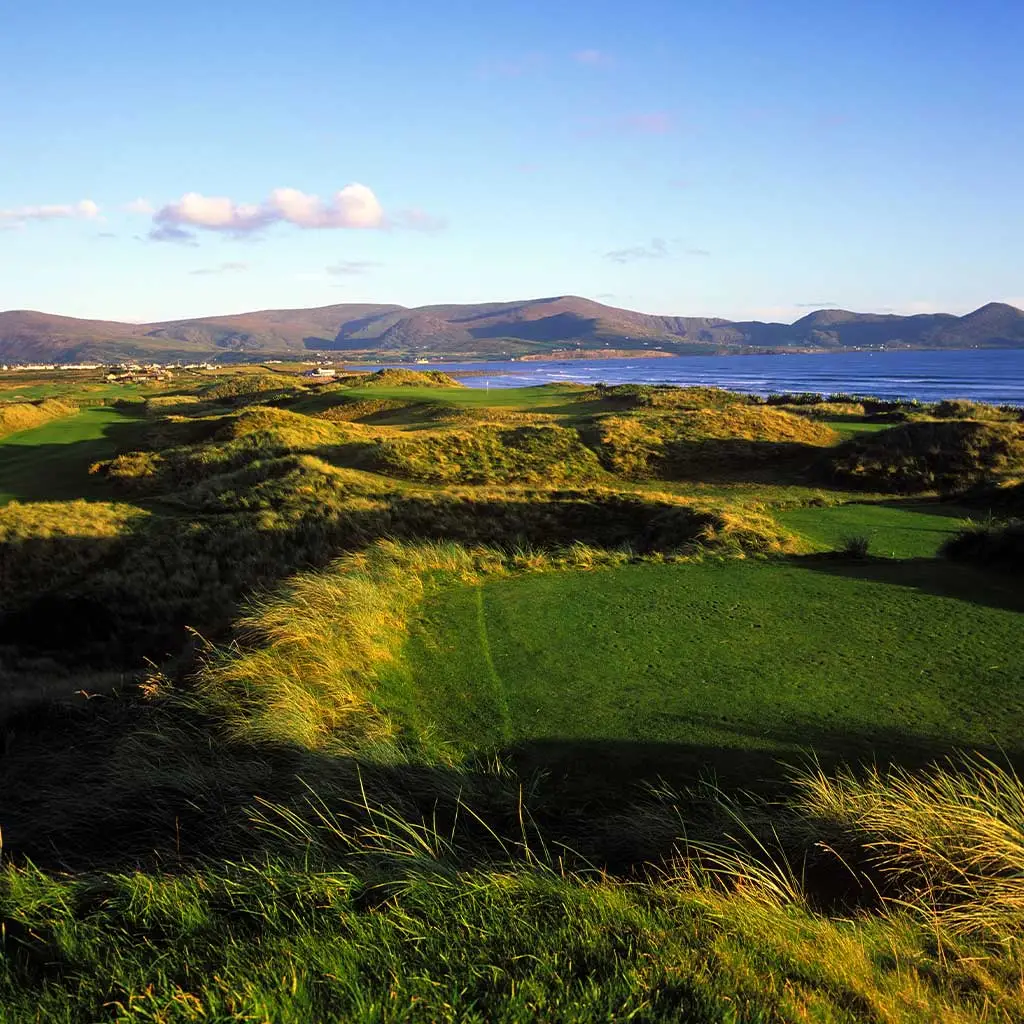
[724, 661]
[51, 462]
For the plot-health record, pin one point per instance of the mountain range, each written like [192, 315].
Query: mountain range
[496, 330]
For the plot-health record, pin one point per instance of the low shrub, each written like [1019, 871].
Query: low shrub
[795, 398]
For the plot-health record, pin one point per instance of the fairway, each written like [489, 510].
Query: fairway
[727, 665]
[893, 529]
[51, 462]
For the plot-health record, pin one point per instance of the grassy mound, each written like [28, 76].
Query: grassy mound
[945, 455]
[487, 454]
[664, 396]
[398, 378]
[240, 387]
[18, 416]
[684, 443]
[998, 545]
[964, 409]
[234, 441]
[346, 409]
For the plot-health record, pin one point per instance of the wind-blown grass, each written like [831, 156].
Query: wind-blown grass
[311, 651]
[948, 841]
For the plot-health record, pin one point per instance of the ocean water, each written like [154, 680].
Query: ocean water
[986, 375]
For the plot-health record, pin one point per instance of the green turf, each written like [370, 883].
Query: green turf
[727, 664]
[51, 462]
[894, 529]
[853, 425]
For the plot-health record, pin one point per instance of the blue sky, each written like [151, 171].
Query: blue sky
[738, 159]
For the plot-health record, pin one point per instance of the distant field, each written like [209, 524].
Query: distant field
[51, 462]
[894, 529]
[726, 665]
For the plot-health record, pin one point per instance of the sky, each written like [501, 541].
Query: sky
[725, 158]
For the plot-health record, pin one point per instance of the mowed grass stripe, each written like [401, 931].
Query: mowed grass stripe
[731, 664]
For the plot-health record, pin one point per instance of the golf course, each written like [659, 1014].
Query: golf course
[342, 699]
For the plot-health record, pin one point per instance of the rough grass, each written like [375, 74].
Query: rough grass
[312, 650]
[652, 396]
[945, 455]
[948, 841]
[239, 387]
[403, 921]
[18, 416]
[220, 445]
[691, 442]
[486, 455]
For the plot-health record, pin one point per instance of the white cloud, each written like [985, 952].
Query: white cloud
[355, 207]
[84, 209]
[140, 205]
[216, 213]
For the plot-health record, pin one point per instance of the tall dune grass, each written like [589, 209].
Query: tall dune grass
[309, 653]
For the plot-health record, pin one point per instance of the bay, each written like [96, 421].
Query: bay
[985, 375]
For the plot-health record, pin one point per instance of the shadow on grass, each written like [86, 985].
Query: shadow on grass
[56, 472]
[113, 601]
[936, 576]
[119, 783]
